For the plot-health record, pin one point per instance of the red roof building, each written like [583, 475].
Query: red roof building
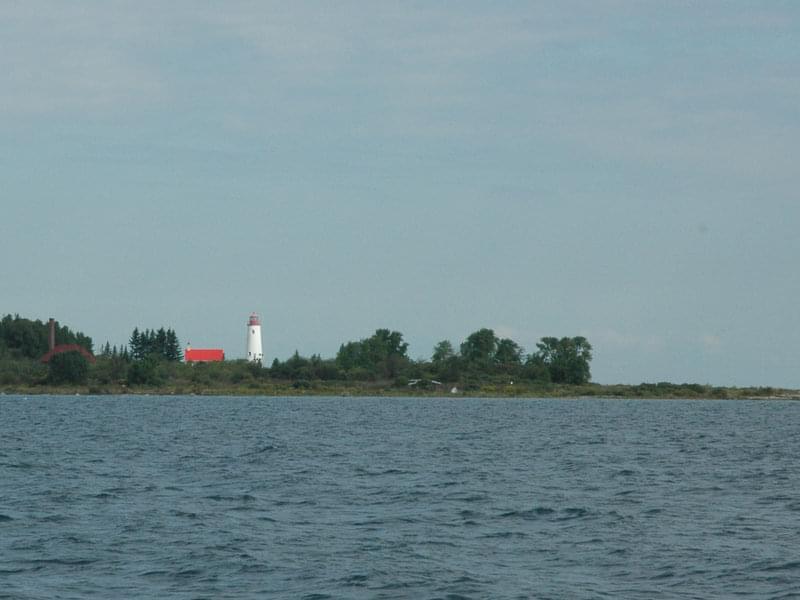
[204, 355]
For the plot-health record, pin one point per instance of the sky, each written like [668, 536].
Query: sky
[622, 170]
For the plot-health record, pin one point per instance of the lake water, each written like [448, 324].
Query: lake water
[204, 497]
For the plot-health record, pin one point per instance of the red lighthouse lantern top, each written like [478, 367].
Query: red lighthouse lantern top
[254, 320]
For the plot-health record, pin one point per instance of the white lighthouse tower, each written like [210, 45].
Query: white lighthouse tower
[254, 352]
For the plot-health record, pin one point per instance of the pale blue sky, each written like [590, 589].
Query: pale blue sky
[625, 171]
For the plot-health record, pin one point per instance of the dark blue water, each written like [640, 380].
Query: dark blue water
[190, 497]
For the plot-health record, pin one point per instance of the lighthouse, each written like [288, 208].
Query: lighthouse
[254, 352]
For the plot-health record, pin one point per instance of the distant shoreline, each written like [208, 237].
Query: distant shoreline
[483, 366]
[387, 390]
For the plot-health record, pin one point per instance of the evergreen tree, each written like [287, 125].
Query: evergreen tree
[136, 345]
[147, 343]
[172, 350]
[160, 343]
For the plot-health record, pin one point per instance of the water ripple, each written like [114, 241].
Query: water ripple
[194, 497]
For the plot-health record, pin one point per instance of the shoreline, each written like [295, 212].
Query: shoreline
[383, 390]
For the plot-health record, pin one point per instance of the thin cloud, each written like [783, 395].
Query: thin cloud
[710, 341]
[416, 65]
[61, 58]
[615, 340]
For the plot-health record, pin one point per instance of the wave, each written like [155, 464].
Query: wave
[532, 513]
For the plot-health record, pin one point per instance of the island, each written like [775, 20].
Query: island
[47, 358]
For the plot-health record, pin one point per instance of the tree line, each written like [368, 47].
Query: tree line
[153, 356]
[482, 355]
[26, 338]
[384, 356]
[162, 344]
